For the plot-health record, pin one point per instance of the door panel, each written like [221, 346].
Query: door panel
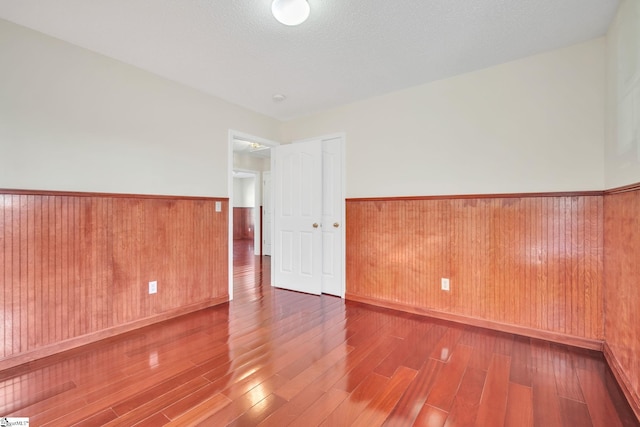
[328, 267]
[306, 254]
[332, 217]
[297, 176]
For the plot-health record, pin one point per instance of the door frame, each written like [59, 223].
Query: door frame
[233, 134]
[262, 213]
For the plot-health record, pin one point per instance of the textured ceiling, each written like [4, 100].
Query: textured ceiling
[348, 49]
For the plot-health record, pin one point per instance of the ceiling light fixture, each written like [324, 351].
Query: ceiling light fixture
[290, 12]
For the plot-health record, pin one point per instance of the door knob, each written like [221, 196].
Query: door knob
[336, 225]
[315, 225]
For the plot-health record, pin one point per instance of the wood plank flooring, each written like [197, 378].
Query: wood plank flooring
[276, 358]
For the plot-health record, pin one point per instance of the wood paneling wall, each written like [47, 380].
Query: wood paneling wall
[622, 289]
[76, 267]
[243, 227]
[534, 262]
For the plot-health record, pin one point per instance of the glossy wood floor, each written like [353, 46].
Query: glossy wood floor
[276, 358]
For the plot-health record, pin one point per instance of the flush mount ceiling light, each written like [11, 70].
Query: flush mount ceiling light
[254, 146]
[290, 12]
[242, 145]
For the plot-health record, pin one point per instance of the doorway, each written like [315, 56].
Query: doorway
[249, 162]
[250, 154]
[246, 205]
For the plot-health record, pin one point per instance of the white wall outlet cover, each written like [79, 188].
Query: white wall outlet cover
[218, 206]
[153, 287]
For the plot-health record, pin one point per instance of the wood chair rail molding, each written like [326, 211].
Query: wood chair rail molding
[623, 189]
[18, 192]
[478, 196]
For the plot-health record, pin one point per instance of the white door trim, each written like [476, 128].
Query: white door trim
[233, 134]
[267, 213]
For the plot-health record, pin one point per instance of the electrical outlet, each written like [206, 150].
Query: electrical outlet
[153, 287]
[444, 284]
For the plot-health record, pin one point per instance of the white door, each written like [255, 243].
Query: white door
[297, 210]
[267, 212]
[332, 217]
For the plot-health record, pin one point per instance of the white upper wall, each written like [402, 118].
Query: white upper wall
[532, 125]
[246, 162]
[622, 154]
[73, 120]
[244, 193]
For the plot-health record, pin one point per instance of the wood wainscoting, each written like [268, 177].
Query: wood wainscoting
[75, 267]
[622, 288]
[243, 223]
[529, 264]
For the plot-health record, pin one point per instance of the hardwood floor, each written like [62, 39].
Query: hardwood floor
[275, 358]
